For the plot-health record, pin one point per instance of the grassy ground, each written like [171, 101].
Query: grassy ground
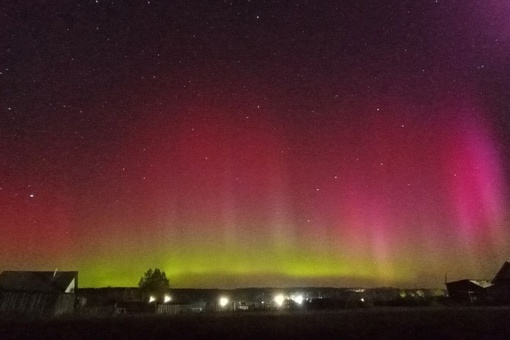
[381, 323]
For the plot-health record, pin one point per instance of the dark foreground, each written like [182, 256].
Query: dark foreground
[381, 323]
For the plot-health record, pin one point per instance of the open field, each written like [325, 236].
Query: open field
[382, 323]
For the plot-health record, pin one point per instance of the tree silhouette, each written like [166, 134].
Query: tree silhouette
[154, 282]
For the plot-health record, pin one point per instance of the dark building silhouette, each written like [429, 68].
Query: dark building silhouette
[495, 291]
[37, 292]
[472, 291]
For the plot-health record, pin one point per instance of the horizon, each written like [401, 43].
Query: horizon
[235, 282]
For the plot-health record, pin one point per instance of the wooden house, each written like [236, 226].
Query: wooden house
[38, 293]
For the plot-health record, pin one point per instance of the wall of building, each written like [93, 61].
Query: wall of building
[36, 304]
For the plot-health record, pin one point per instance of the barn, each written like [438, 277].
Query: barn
[38, 293]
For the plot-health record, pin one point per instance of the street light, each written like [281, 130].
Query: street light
[223, 302]
[298, 299]
[279, 299]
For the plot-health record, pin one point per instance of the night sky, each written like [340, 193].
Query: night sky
[256, 143]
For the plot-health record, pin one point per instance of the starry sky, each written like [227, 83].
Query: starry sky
[256, 143]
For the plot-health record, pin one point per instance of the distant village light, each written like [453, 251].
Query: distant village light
[279, 299]
[167, 298]
[152, 299]
[298, 299]
[223, 302]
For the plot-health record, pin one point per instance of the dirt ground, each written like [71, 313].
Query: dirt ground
[379, 323]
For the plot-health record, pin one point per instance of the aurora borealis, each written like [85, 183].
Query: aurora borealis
[256, 143]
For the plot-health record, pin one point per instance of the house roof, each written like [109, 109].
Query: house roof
[482, 283]
[503, 274]
[37, 281]
[467, 284]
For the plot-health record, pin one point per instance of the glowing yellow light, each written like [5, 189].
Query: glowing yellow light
[223, 301]
[298, 299]
[279, 299]
[152, 299]
[167, 298]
